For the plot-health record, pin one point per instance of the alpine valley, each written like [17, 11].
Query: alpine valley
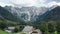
[25, 15]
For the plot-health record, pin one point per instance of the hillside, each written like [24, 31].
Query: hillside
[53, 15]
[8, 16]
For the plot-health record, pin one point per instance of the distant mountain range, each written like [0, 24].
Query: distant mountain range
[28, 14]
[51, 14]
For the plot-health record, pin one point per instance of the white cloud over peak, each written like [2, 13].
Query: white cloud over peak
[53, 3]
[38, 3]
[28, 2]
[24, 2]
[3, 4]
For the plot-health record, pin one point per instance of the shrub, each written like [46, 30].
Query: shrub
[23, 33]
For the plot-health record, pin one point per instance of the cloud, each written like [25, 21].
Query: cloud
[24, 2]
[38, 3]
[3, 4]
[53, 3]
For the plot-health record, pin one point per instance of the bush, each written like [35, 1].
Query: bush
[46, 32]
[23, 33]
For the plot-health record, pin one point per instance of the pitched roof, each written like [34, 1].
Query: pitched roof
[11, 27]
[27, 28]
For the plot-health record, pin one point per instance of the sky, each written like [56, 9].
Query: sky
[37, 3]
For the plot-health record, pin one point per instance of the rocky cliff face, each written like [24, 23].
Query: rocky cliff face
[27, 13]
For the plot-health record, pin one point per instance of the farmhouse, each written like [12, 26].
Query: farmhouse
[31, 30]
[9, 29]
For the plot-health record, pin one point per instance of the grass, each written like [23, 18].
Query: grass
[3, 32]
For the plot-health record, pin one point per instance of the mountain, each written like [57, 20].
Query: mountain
[53, 14]
[26, 13]
[30, 14]
[6, 14]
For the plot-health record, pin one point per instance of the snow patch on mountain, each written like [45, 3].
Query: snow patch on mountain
[27, 13]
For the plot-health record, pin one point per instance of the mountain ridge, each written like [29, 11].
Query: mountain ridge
[28, 14]
[53, 15]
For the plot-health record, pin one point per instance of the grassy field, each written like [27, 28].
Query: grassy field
[3, 32]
